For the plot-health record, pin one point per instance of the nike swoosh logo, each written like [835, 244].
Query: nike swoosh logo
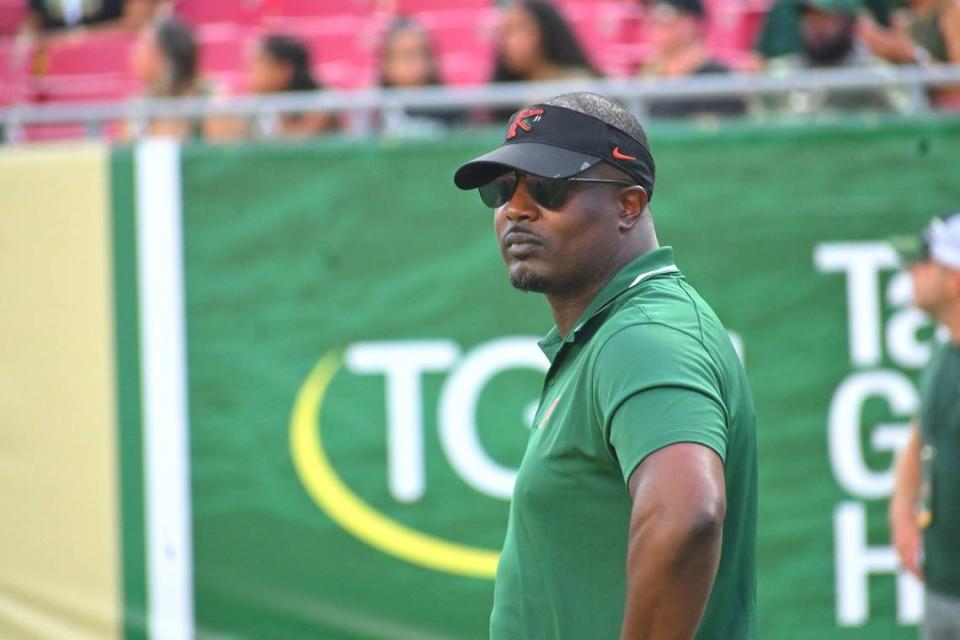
[621, 156]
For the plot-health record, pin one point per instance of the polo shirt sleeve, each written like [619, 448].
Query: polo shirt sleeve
[655, 386]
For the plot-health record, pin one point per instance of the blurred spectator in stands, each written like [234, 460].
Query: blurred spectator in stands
[164, 60]
[281, 64]
[924, 32]
[534, 42]
[277, 64]
[51, 15]
[781, 29]
[46, 20]
[677, 36]
[828, 41]
[407, 60]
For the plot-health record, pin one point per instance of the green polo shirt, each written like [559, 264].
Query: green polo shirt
[647, 365]
[940, 422]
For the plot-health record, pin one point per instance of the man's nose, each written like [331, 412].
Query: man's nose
[521, 204]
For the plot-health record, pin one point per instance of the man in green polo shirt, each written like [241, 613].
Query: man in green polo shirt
[634, 511]
[925, 506]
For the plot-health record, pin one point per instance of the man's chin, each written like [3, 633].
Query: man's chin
[526, 281]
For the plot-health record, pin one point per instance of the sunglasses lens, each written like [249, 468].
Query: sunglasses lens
[497, 193]
[548, 193]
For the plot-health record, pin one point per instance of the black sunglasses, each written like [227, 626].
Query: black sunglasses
[547, 192]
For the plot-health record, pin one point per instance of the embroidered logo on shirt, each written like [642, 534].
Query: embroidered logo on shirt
[549, 412]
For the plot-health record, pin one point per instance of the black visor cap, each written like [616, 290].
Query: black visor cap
[532, 157]
[555, 142]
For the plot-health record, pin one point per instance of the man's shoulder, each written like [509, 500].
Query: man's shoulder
[665, 320]
[661, 306]
[635, 332]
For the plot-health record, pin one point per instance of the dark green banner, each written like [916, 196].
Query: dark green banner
[361, 376]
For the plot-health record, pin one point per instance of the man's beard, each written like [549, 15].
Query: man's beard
[830, 51]
[529, 282]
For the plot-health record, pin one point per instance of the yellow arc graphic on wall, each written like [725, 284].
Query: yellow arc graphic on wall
[348, 510]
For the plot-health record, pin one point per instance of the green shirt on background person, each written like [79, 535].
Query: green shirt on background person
[924, 510]
[940, 423]
[647, 365]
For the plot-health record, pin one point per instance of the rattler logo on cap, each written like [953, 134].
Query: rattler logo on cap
[522, 121]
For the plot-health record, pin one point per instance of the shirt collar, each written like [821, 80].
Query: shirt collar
[648, 265]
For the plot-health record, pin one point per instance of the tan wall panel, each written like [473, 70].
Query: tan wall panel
[59, 538]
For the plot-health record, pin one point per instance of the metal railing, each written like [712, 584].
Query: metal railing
[637, 93]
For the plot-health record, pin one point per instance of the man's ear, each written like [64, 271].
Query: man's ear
[633, 202]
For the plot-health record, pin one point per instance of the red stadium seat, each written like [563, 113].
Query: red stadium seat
[411, 7]
[466, 69]
[463, 40]
[88, 66]
[49, 132]
[602, 28]
[224, 47]
[633, 49]
[89, 52]
[344, 75]
[732, 29]
[460, 30]
[12, 13]
[82, 87]
[12, 73]
[322, 8]
[232, 11]
[53, 132]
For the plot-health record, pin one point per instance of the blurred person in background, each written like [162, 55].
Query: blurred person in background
[924, 32]
[827, 32]
[164, 60]
[408, 60]
[781, 34]
[407, 56]
[677, 33]
[828, 40]
[277, 64]
[535, 43]
[925, 506]
[281, 64]
[54, 15]
[48, 20]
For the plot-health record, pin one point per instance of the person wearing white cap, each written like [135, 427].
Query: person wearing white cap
[925, 506]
